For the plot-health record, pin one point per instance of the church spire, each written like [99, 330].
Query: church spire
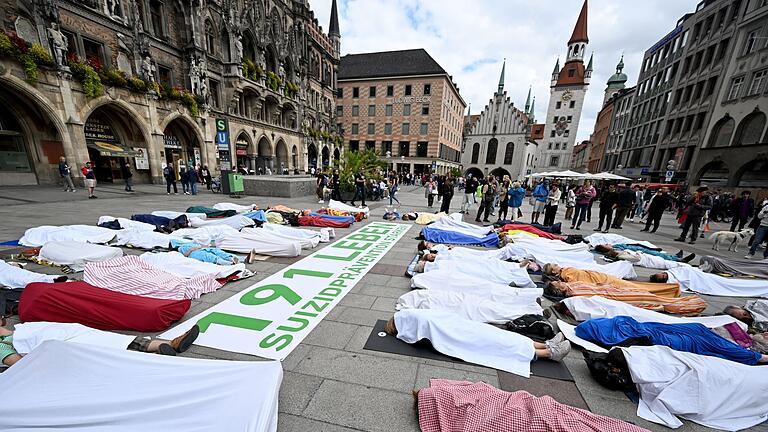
[531, 115]
[528, 102]
[501, 79]
[580, 30]
[333, 28]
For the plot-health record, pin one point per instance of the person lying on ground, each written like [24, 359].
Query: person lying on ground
[687, 305]
[473, 341]
[643, 259]
[734, 267]
[14, 276]
[572, 274]
[428, 246]
[495, 270]
[648, 251]
[693, 279]
[693, 337]
[10, 356]
[754, 314]
[208, 254]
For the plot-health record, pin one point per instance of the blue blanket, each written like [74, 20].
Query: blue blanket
[437, 235]
[694, 338]
[159, 221]
[257, 215]
[343, 219]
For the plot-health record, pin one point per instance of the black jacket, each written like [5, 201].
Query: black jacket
[698, 209]
[608, 199]
[658, 204]
[626, 198]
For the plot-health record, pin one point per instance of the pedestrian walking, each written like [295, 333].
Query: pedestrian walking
[608, 201]
[570, 202]
[695, 208]
[192, 178]
[741, 209]
[486, 202]
[584, 196]
[469, 194]
[429, 192]
[66, 175]
[170, 179]
[761, 234]
[90, 179]
[639, 200]
[359, 188]
[205, 174]
[184, 178]
[125, 168]
[624, 205]
[502, 198]
[539, 199]
[447, 195]
[335, 186]
[393, 187]
[553, 202]
[320, 183]
[656, 207]
[516, 195]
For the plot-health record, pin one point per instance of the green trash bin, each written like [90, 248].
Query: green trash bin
[236, 183]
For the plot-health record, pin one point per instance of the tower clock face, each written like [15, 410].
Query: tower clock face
[567, 95]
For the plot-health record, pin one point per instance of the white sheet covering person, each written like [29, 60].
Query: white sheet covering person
[336, 205]
[489, 290]
[711, 391]
[39, 236]
[76, 254]
[470, 306]
[649, 261]
[16, 277]
[237, 222]
[693, 279]
[450, 224]
[587, 308]
[545, 253]
[142, 239]
[94, 389]
[613, 239]
[182, 266]
[488, 269]
[471, 341]
[236, 207]
[127, 223]
[229, 239]
[553, 245]
[309, 239]
[28, 336]
[174, 214]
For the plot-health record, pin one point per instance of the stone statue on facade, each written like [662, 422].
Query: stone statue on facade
[59, 44]
[47, 9]
[112, 8]
[194, 74]
[138, 21]
[148, 69]
[239, 49]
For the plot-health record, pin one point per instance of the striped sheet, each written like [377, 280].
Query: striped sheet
[688, 305]
[132, 275]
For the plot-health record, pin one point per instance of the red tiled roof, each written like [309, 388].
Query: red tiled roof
[580, 30]
[565, 77]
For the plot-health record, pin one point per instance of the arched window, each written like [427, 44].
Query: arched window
[226, 50]
[475, 153]
[722, 132]
[490, 156]
[210, 38]
[508, 153]
[750, 129]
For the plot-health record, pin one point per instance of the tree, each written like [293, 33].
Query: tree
[352, 161]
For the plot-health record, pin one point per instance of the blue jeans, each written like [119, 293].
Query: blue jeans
[580, 214]
[212, 255]
[193, 187]
[185, 187]
[359, 192]
[392, 196]
[760, 235]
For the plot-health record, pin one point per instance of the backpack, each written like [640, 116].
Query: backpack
[535, 327]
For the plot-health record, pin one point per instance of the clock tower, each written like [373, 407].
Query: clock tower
[568, 89]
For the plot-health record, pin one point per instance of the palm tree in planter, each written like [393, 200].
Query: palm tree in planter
[351, 162]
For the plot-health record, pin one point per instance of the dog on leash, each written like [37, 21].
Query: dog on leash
[732, 238]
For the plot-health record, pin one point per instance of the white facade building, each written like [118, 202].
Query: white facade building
[566, 101]
[497, 141]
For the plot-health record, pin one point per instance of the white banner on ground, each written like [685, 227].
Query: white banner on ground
[272, 317]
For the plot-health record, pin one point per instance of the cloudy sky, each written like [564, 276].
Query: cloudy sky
[470, 38]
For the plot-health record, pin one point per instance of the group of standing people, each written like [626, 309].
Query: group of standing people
[89, 176]
[189, 179]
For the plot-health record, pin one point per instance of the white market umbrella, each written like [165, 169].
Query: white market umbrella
[611, 176]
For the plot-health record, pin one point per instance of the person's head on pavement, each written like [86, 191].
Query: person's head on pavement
[739, 313]
[662, 277]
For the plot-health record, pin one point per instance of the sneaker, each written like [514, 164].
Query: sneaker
[643, 230]
[597, 229]
[605, 232]
[679, 254]
[321, 202]
[559, 351]
[165, 349]
[572, 226]
[183, 342]
[555, 340]
[748, 256]
[168, 193]
[578, 228]
[73, 190]
[691, 242]
[679, 239]
[689, 258]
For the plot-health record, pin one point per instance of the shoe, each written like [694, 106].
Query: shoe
[73, 190]
[175, 193]
[61, 279]
[477, 220]
[689, 258]
[165, 349]
[578, 228]
[748, 256]
[183, 342]
[691, 242]
[605, 232]
[572, 227]
[597, 229]
[559, 351]
[617, 228]
[486, 220]
[652, 232]
[353, 204]
[168, 193]
[679, 240]
[643, 230]
[321, 202]
[679, 254]
[555, 340]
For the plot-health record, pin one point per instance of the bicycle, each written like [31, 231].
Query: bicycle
[216, 185]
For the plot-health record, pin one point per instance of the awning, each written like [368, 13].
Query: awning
[112, 150]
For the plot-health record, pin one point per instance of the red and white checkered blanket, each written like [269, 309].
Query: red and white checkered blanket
[460, 406]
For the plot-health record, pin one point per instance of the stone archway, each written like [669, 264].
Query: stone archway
[714, 173]
[753, 174]
[326, 157]
[499, 173]
[750, 129]
[181, 145]
[281, 156]
[336, 155]
[294, 158]
[722, 132]
[312, 155]
[265, 158]
[474, 172]
[31, 141]
[245, 151]
[114, 136]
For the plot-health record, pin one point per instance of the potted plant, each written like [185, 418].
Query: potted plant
[353, 161]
